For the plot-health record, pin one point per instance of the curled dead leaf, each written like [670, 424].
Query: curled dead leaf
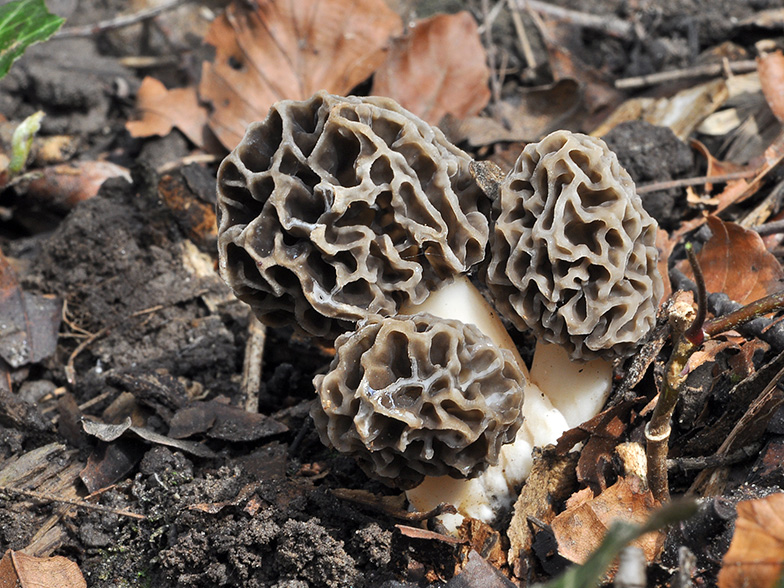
[438, 68]
[20, 569]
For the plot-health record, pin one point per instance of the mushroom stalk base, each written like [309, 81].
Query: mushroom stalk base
[495, 490]
[560, 395]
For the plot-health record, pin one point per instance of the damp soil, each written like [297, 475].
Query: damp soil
[149, 330]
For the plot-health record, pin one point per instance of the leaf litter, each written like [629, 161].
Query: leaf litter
[150, 344]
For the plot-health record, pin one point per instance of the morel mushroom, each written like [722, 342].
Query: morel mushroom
[416, 396]
[573, 258]
[334, 209]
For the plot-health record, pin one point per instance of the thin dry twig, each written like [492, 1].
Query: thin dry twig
[695, 181]
[251, 367]
[711, 70]
[685, 464]
[771, 228]
[522, 35]
[42, 496]
[170, 166]
[117, 22]
[605, 23]
[495, 82]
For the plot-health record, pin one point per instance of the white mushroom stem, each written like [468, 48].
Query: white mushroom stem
[459, 299]
[561, 394]
[578, 390]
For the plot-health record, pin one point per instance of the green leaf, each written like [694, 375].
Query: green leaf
[618, 536]
[22, 23]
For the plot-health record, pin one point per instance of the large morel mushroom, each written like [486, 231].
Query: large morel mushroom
[334, 209]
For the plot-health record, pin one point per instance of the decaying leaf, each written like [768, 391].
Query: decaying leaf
[28, 331]
[580, 529]
[736, 262]
[19, 569]
[438, 68]
[538, 111]
[161, 109]
[195, 217]
[771, 74]
[715, 167]
[110, 432]
[66, 185]
[222, 421]
[275, 49]
[477, 572]
[682, 112]
[603, 432]
[756, 555]
[551, 481]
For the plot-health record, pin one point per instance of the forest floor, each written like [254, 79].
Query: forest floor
[195, 474]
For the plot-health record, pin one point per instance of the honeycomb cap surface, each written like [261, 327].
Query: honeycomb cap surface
[573, 253]
[337, 208]
[419, 396]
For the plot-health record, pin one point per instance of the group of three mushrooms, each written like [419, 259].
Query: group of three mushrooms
[358, 222]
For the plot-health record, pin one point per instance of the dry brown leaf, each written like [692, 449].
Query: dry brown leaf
[162, 109]
[20, 569]
[284, 49]
[438, 68]
[756, 555]
[771, 73]
[735, 261]
[65, 185]
[580, 530]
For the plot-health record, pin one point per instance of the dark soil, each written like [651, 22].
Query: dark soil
[256, 508]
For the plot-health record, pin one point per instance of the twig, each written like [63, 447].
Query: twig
[657, 431]
[187, 160]
[745, 314]
[605, 23]
[148, 61]
[711, 69]
[495, 84]
[72, 502]
[117, 22]
[522, 35]
[70, 372]
[251, 367]
[771, 228]
[684, 464]
[669, 184]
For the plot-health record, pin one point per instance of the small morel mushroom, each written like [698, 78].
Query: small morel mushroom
[335, 208]
[573, 258]
[416, 396]
[573, 251]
